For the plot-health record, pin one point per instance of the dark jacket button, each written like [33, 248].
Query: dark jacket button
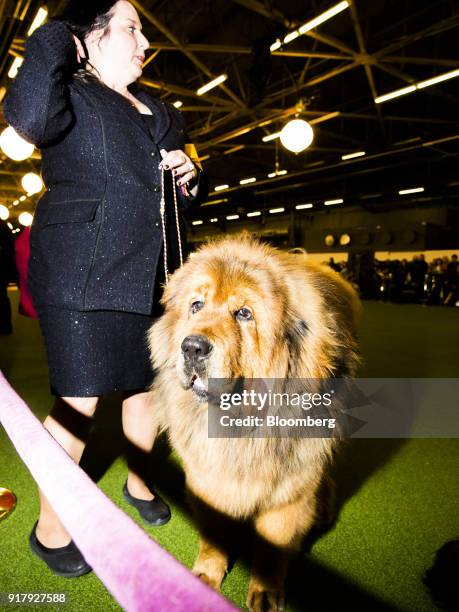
[156, 188]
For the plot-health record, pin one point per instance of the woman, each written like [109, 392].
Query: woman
[96, 240]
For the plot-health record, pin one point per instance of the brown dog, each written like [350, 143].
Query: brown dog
[241, 309]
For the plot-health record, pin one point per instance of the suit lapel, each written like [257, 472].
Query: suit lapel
[160, 112]
[119, 105]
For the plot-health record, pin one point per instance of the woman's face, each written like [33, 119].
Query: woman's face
[119, 55]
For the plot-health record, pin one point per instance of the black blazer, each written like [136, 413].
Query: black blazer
[96, 238]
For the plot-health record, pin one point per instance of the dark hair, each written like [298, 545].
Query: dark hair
[83, 17]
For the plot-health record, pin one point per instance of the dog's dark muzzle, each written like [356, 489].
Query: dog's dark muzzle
[196, 349]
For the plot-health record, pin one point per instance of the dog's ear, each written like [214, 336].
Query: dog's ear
[295, 334]
[300, 364]
[323, 347]
[321, 321]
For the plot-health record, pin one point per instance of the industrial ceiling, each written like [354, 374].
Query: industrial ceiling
[329, 76]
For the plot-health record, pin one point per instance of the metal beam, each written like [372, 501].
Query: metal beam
[278, 16]
[331, 41]
[426, 61]
[366, 65]
[399, 118]
[340, 164]
[239, 50]
[196, 61]
[294, 89]
[183, 91]
[244, 129]
[437, 28]
[270, 13]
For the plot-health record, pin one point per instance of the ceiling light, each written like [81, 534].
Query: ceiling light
[297, 135]
[17, 63]
[10, 225]
[205, 88]
[4, 212]
[214, 220]
[413, 190]
[232, 217]
[40, 18]
[14, 146]
[395, 94]
[323, 17]
[25, 219]
[302, 206]
[31, 183]
[246, 181]
[221, 187]
[421, 85]
[178, 104]
[352, 155]
[277, 173]
[271, 137]
[197, 222]
[309, 25]
[22, 198]
[255, 213]
[276, 210]
[332, 202]
[291, 36]
[438, 79]
[16, 202]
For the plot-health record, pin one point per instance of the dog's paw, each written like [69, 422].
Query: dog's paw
[264, 600]
[213, 582]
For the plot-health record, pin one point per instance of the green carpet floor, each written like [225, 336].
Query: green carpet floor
[398, 499]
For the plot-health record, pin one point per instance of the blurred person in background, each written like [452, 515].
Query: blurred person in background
[22, 256]
[8, 275]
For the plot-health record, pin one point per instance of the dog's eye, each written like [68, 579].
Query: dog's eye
[195, 306]
[243, 314]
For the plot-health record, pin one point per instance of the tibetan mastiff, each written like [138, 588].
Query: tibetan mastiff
[240, 309]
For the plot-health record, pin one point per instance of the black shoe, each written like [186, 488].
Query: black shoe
[66, 561]
[155, 512]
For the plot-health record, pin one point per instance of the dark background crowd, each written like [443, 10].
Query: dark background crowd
[399, 280]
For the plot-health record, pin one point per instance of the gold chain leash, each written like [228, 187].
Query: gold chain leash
[162, 210]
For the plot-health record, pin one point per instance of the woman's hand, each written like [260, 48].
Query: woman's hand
[80, 51]
[181, 166]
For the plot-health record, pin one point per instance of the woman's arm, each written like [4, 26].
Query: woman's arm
[38, 105]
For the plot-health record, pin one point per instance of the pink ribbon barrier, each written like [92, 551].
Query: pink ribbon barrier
[139, 574]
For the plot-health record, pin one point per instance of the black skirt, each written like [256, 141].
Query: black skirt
[94, 353]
